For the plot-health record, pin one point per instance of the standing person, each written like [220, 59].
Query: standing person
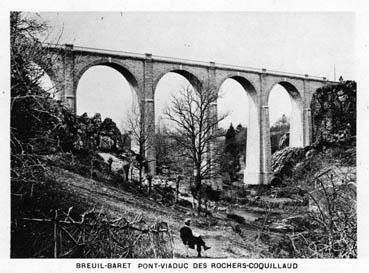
[110, 163]
[190, 240]
[149, 181]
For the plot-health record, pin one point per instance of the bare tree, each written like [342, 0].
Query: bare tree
[140, 138]
[35, 119]
[194, 116]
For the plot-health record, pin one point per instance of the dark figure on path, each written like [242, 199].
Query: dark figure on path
[190, 240]
[110, 163]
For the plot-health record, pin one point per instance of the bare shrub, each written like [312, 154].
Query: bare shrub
[94, 235]
[332, 232]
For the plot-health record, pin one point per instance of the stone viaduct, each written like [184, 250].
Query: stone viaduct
[143, 72]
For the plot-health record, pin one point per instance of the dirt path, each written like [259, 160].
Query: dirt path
[224, 241]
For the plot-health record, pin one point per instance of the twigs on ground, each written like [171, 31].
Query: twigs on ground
[95, 235]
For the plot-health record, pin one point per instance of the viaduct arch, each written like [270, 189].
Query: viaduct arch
[296, 117]
[112, 64]
[143, 72]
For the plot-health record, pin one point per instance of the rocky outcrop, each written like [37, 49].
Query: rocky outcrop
[284, 161]
[95, 134]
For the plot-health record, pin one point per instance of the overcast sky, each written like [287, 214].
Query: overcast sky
[306, 43]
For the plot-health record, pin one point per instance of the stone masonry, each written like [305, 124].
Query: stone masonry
[143, 72]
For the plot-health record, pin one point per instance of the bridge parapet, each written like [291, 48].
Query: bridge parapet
[185, 61]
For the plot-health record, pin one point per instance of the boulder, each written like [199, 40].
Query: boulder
[106, 143]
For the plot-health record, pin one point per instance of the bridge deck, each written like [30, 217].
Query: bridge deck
[186, 61]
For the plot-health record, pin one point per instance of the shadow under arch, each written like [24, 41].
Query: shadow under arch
[247, 86]
[191, 78]
[296, 115]
[291, 90]
[131, 79]
[253, 152]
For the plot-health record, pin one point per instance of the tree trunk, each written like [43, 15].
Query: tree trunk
[140, 175]
[199, 203]
[198, 189]
[149, 179]
[177, 188]
[206, 207]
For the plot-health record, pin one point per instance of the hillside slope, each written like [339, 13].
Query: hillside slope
[225, 242]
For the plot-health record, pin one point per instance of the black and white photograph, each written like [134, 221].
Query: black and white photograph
[182, 135]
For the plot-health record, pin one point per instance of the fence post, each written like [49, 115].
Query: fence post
[56, 234]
